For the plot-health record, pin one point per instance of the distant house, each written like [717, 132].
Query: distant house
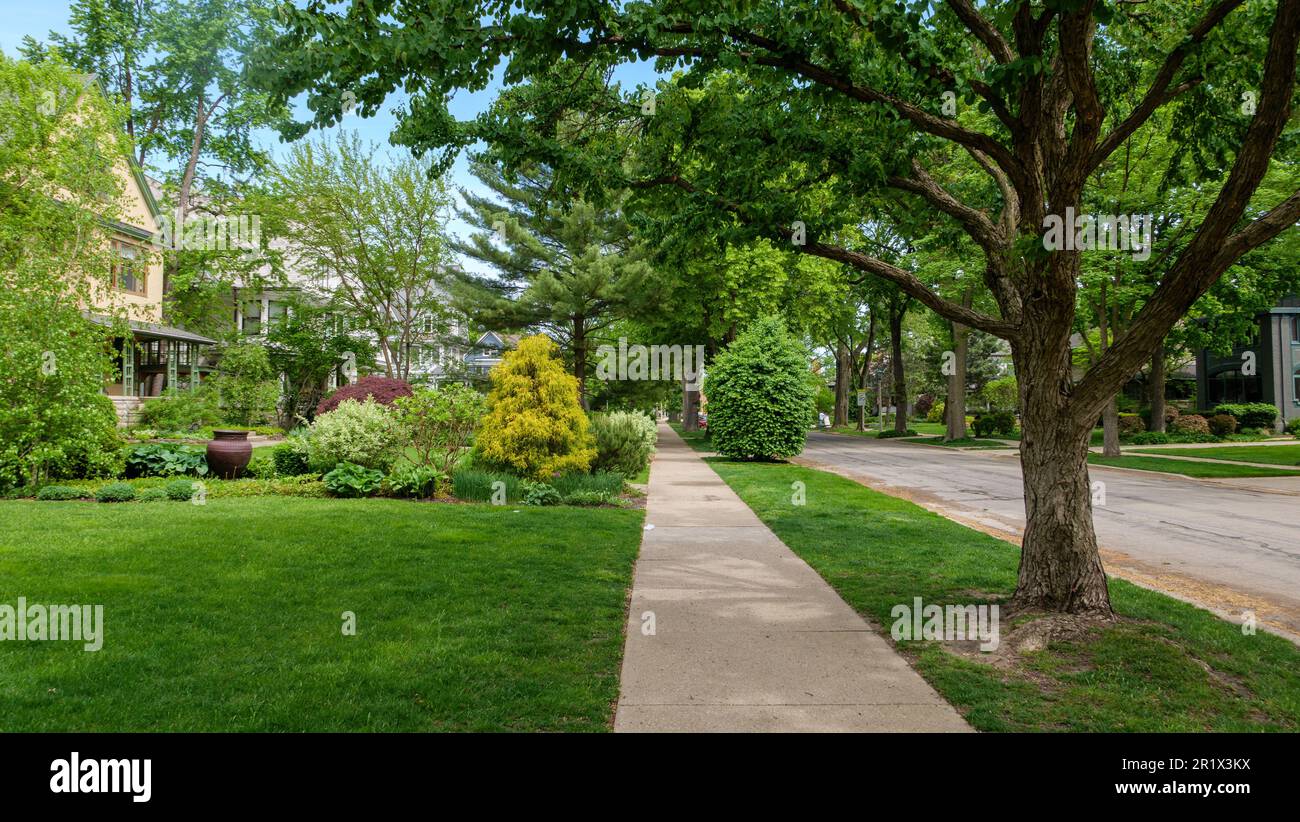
[430, 354]
[156, 357]
[1275, 354]
[487, 352]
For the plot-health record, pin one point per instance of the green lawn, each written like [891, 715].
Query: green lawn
[1204, 470]
[968, 442]
[1164, 666]
[1271, 454]
[937, 429]
[228, 616]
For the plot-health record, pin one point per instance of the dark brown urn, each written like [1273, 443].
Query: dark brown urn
[228, 453]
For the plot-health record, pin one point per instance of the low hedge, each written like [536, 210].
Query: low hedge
[1250, 414]
[115, 492]
[59, 493]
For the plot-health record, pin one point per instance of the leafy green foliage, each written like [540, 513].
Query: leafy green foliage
[995, 422]
[439, 423]
[352, 480]
[375, 226]
[59, 142]
[179, 490]
[115, 492]
[539, 493]
[760, 404]
[59, 493]
[182, 411]
[246, 384]
[1223, 425]
[600, 485]
[306, 346]
[890, 434]
[292, 456]
[1250, 414]
[1293, 427]
[535, 426]
[365, 433]
[475, 485]
[568, 267]
[1002, 394]
[624, 441]
[261, 466]
[166, 460]
[417, 481]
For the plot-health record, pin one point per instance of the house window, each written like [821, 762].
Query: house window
[252, 311]
[128, 268]
[276, 312]
[152, 352]
[1295, 329]
[1233, 386]
[1295, 386]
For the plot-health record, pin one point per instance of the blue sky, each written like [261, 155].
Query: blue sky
[37, 18]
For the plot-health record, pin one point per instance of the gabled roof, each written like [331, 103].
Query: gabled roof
[137, 173]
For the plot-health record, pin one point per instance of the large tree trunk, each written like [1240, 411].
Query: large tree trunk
[865, 367]
[1110, 429]
[900, 377]
[690, 406]
[954, 408]
[1157, 388]
[1060, 569]
[843, 374]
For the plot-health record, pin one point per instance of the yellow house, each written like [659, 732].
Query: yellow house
[157, 358]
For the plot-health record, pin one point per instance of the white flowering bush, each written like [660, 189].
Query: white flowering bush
[362, 433]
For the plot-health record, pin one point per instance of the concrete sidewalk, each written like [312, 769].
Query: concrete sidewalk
[747, 637]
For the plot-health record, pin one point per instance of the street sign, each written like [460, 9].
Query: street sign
[862, 399]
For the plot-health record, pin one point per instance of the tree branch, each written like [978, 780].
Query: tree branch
[1159, 93]
[902, 278]
[984, 30]
[1211, 251]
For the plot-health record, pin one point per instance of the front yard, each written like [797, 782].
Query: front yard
[1188, 468]
[228, 616]
[1271, 454]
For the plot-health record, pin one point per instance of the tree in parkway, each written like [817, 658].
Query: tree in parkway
[560, 264]
[784, 119]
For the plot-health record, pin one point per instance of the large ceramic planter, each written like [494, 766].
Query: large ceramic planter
[229, 453]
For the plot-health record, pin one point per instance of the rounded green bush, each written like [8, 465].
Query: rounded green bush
[290, 456]
[540, 493]
[760, 400]
[179, 490]
[624, 441]
[59, 493]
[891, 434]
[363, 433]
[115, 492]
[152, 495]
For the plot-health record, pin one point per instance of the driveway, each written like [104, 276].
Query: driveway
[1229, 546]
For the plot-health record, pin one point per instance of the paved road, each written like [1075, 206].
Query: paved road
[1222, 544]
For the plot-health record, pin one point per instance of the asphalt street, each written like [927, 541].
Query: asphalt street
[1229, 545]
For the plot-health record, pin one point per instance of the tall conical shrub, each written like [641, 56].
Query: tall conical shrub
[534, 426]
[760, 401]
